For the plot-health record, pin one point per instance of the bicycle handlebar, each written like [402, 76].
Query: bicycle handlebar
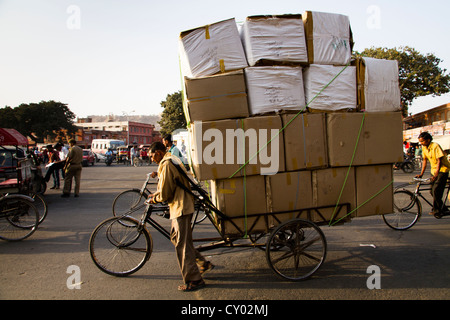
[421, 180]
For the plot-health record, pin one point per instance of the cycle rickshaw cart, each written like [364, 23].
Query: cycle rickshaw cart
[295, 249]
[20, 175]
[19, 213]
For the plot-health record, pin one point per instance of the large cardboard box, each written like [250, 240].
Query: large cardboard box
[305, 141]
[239, 198]
[274, 88]
[380, 141]
[289, 191]
[217, 97]
[211, 49]
[275, 39]
[383, 137]
[208, 150]
[329, 38]
[327, 186]
[330, 88]
[267, 156]
[378, 85]
[374, 190]
[229, 148]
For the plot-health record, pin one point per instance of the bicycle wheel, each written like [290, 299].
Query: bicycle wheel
[120, 246]
[407, 211]
[41, 206]
[126, 201]
[200, 212]
[408, 167]
[296, 249]
[19, 218]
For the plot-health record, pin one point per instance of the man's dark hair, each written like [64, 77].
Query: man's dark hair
[168, 137]
[157, 146]
[426, 136]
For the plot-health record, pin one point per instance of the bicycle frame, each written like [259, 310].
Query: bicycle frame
[427, 187]
[144, 186]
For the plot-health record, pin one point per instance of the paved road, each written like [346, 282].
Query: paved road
[412, 264]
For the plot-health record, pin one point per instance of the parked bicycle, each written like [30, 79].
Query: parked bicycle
[408, 165]
[19, 217]
[408, 205]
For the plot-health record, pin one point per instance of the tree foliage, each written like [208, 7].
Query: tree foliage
[38, 120]
[419, 74]
[172, 117]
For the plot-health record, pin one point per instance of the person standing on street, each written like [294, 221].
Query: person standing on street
[172, 188]
[167, 140]
[72, 169]
[440, 167]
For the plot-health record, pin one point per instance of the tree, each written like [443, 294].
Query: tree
[419, 74]
[38, 120]
[8, 118]
[172, 117]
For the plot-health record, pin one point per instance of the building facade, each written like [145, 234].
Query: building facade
[128, 131]
[439, 114]
[436, 121]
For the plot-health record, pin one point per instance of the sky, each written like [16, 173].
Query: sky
[121, 57]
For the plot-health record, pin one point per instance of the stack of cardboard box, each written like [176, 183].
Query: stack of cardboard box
[282, 120]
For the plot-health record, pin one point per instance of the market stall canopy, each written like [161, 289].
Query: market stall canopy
[11, 137]
[443, 141]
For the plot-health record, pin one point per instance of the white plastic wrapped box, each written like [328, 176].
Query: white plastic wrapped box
[275, 88]
[211, 49]
[337, 94]
[329, 38]
[274, 39]
[378, 85]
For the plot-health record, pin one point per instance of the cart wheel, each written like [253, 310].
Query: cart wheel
[120, 246]
[407, 211]
[296, 249]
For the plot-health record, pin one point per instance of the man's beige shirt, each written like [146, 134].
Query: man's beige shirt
[75, 155]
[180, 202]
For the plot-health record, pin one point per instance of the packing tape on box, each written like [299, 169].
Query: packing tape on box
[232, 189]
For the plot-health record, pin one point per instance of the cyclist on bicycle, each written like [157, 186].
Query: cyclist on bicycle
[440, 167]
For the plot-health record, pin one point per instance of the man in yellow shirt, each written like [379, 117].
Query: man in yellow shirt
[181, 206]
[440, 167]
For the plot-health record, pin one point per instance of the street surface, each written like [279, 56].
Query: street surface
[413, 264]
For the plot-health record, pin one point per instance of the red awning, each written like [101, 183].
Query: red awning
[11, 137]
